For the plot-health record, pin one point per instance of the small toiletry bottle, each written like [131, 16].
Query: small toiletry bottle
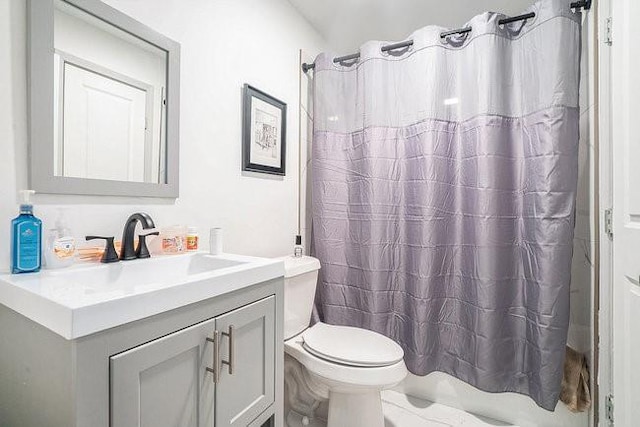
[192, 239]
[60, 247]
[173, 239]
[26, 238]
[298, 249]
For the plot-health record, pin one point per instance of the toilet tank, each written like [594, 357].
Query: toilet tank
[300, 279]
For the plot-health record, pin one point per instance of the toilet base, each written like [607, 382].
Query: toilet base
[294, 419]
[355, 409]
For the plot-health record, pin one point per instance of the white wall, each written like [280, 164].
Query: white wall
[225, 43]
[346, 24]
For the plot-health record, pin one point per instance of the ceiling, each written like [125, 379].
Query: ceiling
[346, 24]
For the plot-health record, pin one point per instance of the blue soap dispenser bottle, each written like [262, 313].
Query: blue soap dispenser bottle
[26, 238]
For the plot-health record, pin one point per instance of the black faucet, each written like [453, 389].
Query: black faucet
[109, 255]
[128, 251]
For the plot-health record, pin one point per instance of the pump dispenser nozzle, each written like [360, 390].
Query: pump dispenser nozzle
[26, 196]
[25, 204]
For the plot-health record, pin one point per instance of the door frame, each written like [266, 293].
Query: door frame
[602, 369]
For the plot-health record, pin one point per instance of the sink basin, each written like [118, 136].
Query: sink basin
[85, 299]
[138, 274]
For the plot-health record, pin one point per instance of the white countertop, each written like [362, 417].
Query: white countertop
[89, 298]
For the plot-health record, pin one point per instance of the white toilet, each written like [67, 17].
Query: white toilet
[349, 366]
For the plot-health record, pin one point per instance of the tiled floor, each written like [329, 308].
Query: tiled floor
[404, 411]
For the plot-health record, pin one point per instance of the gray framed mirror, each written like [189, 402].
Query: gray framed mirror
[104, 97]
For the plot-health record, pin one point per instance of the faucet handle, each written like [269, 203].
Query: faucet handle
[110, 254]
[142, 251]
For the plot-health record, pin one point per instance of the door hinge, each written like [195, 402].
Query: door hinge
[608, 32]
[608, 222]
[608, 408]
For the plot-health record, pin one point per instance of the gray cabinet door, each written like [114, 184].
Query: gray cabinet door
[164, 383]
[244, 394]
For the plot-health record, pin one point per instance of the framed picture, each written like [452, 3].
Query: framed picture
[264, 124]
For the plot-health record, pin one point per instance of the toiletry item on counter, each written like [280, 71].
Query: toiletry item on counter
[26, 238]
[298, 249]
[192, 239]
[60, 246]
[174, 239]
[215, 241]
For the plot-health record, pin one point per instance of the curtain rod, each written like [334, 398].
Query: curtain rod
[584, 4]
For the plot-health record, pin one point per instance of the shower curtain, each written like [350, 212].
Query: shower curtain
[444, 183]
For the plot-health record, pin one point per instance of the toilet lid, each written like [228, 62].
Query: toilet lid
[351, 346]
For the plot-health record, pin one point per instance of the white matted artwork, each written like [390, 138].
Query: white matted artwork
[264, 132]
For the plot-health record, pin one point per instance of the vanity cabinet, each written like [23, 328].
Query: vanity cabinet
[219, 372]
[152, 372]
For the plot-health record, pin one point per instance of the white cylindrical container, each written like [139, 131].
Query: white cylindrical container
[215, 241]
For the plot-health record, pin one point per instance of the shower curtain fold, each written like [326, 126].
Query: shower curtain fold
[444, 183]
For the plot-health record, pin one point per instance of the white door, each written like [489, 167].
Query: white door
[626, 208]
[104, 128]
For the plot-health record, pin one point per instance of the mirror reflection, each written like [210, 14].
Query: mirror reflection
[109, 101]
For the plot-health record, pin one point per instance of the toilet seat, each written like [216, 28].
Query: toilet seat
[341, 376]
[351, 346]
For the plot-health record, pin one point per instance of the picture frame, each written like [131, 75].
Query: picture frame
[264, 125]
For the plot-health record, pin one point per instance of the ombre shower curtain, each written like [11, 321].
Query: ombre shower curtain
[444, 185]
